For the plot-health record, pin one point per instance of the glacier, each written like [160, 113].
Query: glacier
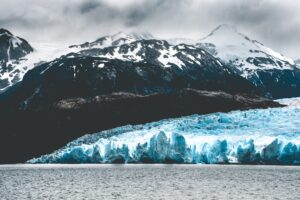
[257, 136]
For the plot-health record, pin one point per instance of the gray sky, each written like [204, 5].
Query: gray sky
[275, 23]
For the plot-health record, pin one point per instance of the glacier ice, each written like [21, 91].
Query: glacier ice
[258, 136]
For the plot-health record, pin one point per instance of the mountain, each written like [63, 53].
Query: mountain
[135, 82]
[124, 80]
[12, 47]
[17, 57]
[23, 57]
[12, 50]
[142, 67]
[269, 70]
[297, 62]
[114, 40]
[273, 73]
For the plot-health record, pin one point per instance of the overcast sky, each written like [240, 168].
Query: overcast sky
[276, 23]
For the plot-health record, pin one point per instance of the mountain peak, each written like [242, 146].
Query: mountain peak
[116, 39]
[3, 31]
[119, 35]
[225, 30]
[232, 46]
[225, 27]
[136, 35]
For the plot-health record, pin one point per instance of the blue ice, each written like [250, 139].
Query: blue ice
[258, 136]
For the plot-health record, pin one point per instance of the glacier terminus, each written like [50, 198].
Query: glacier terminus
[257, 136]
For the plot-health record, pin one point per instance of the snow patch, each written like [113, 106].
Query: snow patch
[101, 65]
[168, 57]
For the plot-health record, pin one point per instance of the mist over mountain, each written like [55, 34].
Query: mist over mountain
[268, 21]
[276, 74]
[271, 72]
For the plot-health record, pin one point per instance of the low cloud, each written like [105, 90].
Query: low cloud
[275, 23]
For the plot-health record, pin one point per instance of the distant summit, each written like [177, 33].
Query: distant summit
[266, 68]
[12, 49]
[115, 40]
[4, 31]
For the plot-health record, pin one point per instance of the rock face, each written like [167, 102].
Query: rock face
[12, 50]
[43, 129]
[275, 74]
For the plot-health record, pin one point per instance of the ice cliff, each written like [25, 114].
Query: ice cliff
[259, 136]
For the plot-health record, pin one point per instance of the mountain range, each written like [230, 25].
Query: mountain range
[55, 94]
[272, 73]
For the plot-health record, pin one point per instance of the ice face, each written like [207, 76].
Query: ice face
[259, 136]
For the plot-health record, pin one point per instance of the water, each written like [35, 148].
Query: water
[258, 136]
[148, 182]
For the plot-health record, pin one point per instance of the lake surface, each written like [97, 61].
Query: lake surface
[149, 182]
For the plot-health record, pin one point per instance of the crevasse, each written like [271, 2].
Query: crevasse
[259, 136]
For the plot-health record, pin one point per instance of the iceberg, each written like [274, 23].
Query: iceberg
[257, 136]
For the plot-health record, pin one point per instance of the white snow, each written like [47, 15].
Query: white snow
[15, 42]
[101, 65]
[219, 63]
[43, 52]
[108, 41]
[291, 102]
[232, 46]
[131, 55]
[168, 57]
[176, 41]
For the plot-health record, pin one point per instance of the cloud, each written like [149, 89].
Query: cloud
[275, 23]
[88, 6]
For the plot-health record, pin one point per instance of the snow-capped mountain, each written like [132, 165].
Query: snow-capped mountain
[114, 40]
[17, 57]
[12, 47]
[270, 70]
[12, 50]
[120, 81]
[297, 61]
[143, 67]
[275, 74]
[157, 52]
